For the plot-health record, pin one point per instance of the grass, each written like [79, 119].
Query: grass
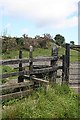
[40, 52]
[6, 69]
[36, 52]
[58, 102]
[75, 56]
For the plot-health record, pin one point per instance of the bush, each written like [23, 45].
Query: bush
[8, 44]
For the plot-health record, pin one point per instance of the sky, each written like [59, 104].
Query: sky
[36, 17]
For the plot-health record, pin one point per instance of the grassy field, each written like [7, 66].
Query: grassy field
[40, 52]
[58, 102]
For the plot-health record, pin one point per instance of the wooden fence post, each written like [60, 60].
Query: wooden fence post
[53, 64]
[30, 62]
[63, 68]
[67, 53]
[20, 78]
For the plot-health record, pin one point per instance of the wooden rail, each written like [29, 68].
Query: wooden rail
[34, 71]
[24, 88]
[15, 95]
[75, 46]
[17, 61]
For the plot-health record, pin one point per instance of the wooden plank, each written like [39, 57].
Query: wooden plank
[44, 70]
[17, 61]
[13, 61]
[36, 59]
[26, 72]
[40, 80]
[15, 95]
[17, 85]
[40, 66]
[6, 75]
[75, 46]
[76, 49]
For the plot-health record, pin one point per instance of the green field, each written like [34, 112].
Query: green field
[75, 56]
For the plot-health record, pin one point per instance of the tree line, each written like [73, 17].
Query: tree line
[15, 43]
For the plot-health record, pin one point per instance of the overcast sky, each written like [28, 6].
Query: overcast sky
[36, 17]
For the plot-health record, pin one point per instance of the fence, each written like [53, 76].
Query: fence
[34, 73]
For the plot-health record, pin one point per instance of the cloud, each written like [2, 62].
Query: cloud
[67, 23]
[42, 13]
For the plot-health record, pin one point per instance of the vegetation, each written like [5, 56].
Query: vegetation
[6, 69]
[72, 42]
[58, 102]
[42, 46]
[74, 55]
[11, 43]
[14, 54]
[59, 40]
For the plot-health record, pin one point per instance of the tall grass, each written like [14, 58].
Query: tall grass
[58, 102]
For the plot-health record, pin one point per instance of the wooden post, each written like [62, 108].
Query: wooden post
[63, 68]
[53, 64]
[30, 62]
[67, 53]
[20, 78]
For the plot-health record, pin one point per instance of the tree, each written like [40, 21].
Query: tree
[59, 39]
[25, 36]
[8, 44]
[19, 42]
[72, 42]
[37, 36]
[47, 36]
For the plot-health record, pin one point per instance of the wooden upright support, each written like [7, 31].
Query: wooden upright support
[20, 78]
[63, 68]
[30, 62]
[53, 64]
[67, 53]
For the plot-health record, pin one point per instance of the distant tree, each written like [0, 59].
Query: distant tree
[8, 44]
[47, 36]
[19, 42]
[37, 36]
[59, 39]
[72, 42]
[25, 36]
